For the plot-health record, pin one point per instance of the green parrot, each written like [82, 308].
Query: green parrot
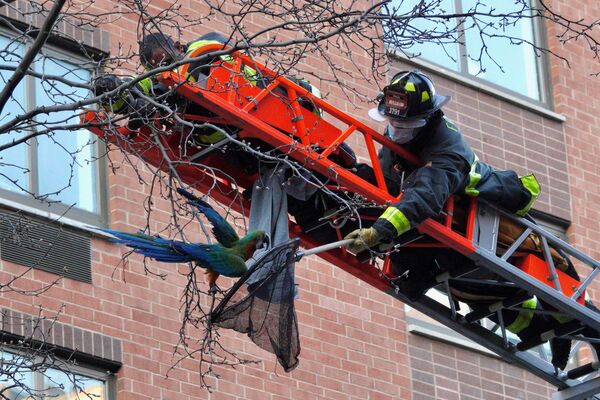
[227, 258]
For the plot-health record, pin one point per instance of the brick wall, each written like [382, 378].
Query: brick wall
[575, 96]
[354, 339]
[444, 371]
[46, 329]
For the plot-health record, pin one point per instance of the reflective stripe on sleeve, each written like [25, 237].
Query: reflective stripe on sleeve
[199, 43]
[474, 178]
[145, 85]
[211, 138]
[397, 219]
[250, 73]
[530, 183]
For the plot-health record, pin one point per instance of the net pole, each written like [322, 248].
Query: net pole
[325, 247]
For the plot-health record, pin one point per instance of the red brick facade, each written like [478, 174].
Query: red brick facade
[355, 343]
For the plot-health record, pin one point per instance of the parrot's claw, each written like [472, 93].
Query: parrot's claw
[211, 277]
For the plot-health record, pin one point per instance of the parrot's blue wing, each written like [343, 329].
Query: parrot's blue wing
[224, 233]
[152, 246]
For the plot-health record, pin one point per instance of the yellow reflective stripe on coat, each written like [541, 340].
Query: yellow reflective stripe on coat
[524, 318]
[145, 85]
[117, 105]
[315, 91]
[250, 74]
[211, 138]
[396, 218]
[199, 43]
[450, 125]
[563, 319]
[530, 183]
[474, 178]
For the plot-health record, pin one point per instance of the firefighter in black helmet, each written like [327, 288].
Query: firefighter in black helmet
[412, 109]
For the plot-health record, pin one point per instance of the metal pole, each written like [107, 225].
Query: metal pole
[325, 247]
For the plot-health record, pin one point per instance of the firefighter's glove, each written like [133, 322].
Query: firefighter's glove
[363, 239]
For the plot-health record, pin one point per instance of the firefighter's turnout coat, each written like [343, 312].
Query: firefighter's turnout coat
[449, 167]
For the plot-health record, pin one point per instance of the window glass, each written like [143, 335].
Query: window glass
[19, 380]
[508, 64]
[61, 164]
[59, 150]
[439, 49]
[507, 59]
[16, 378]
[13, 161]
[65, 386]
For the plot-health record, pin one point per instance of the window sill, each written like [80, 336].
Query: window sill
[478, 85]
[53, 217]
[443, 334]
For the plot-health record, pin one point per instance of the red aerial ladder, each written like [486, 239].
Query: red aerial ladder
[262, 106]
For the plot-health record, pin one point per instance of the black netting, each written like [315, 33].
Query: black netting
[265, 309]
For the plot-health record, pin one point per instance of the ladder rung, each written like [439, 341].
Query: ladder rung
[583, 370]
[492, 308]
[566, 329]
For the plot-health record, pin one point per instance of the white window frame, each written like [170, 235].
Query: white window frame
[55, 211]
[108, 378]
[542, 106]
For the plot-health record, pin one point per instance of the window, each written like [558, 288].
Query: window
[507, 61]
[61, 165]
[22, 377]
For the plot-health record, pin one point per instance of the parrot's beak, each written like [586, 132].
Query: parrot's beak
[264, 243]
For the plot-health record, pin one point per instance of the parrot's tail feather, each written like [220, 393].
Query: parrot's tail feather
[222, 260]
[152, 246]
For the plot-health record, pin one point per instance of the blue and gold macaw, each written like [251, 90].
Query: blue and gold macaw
[227, 258]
